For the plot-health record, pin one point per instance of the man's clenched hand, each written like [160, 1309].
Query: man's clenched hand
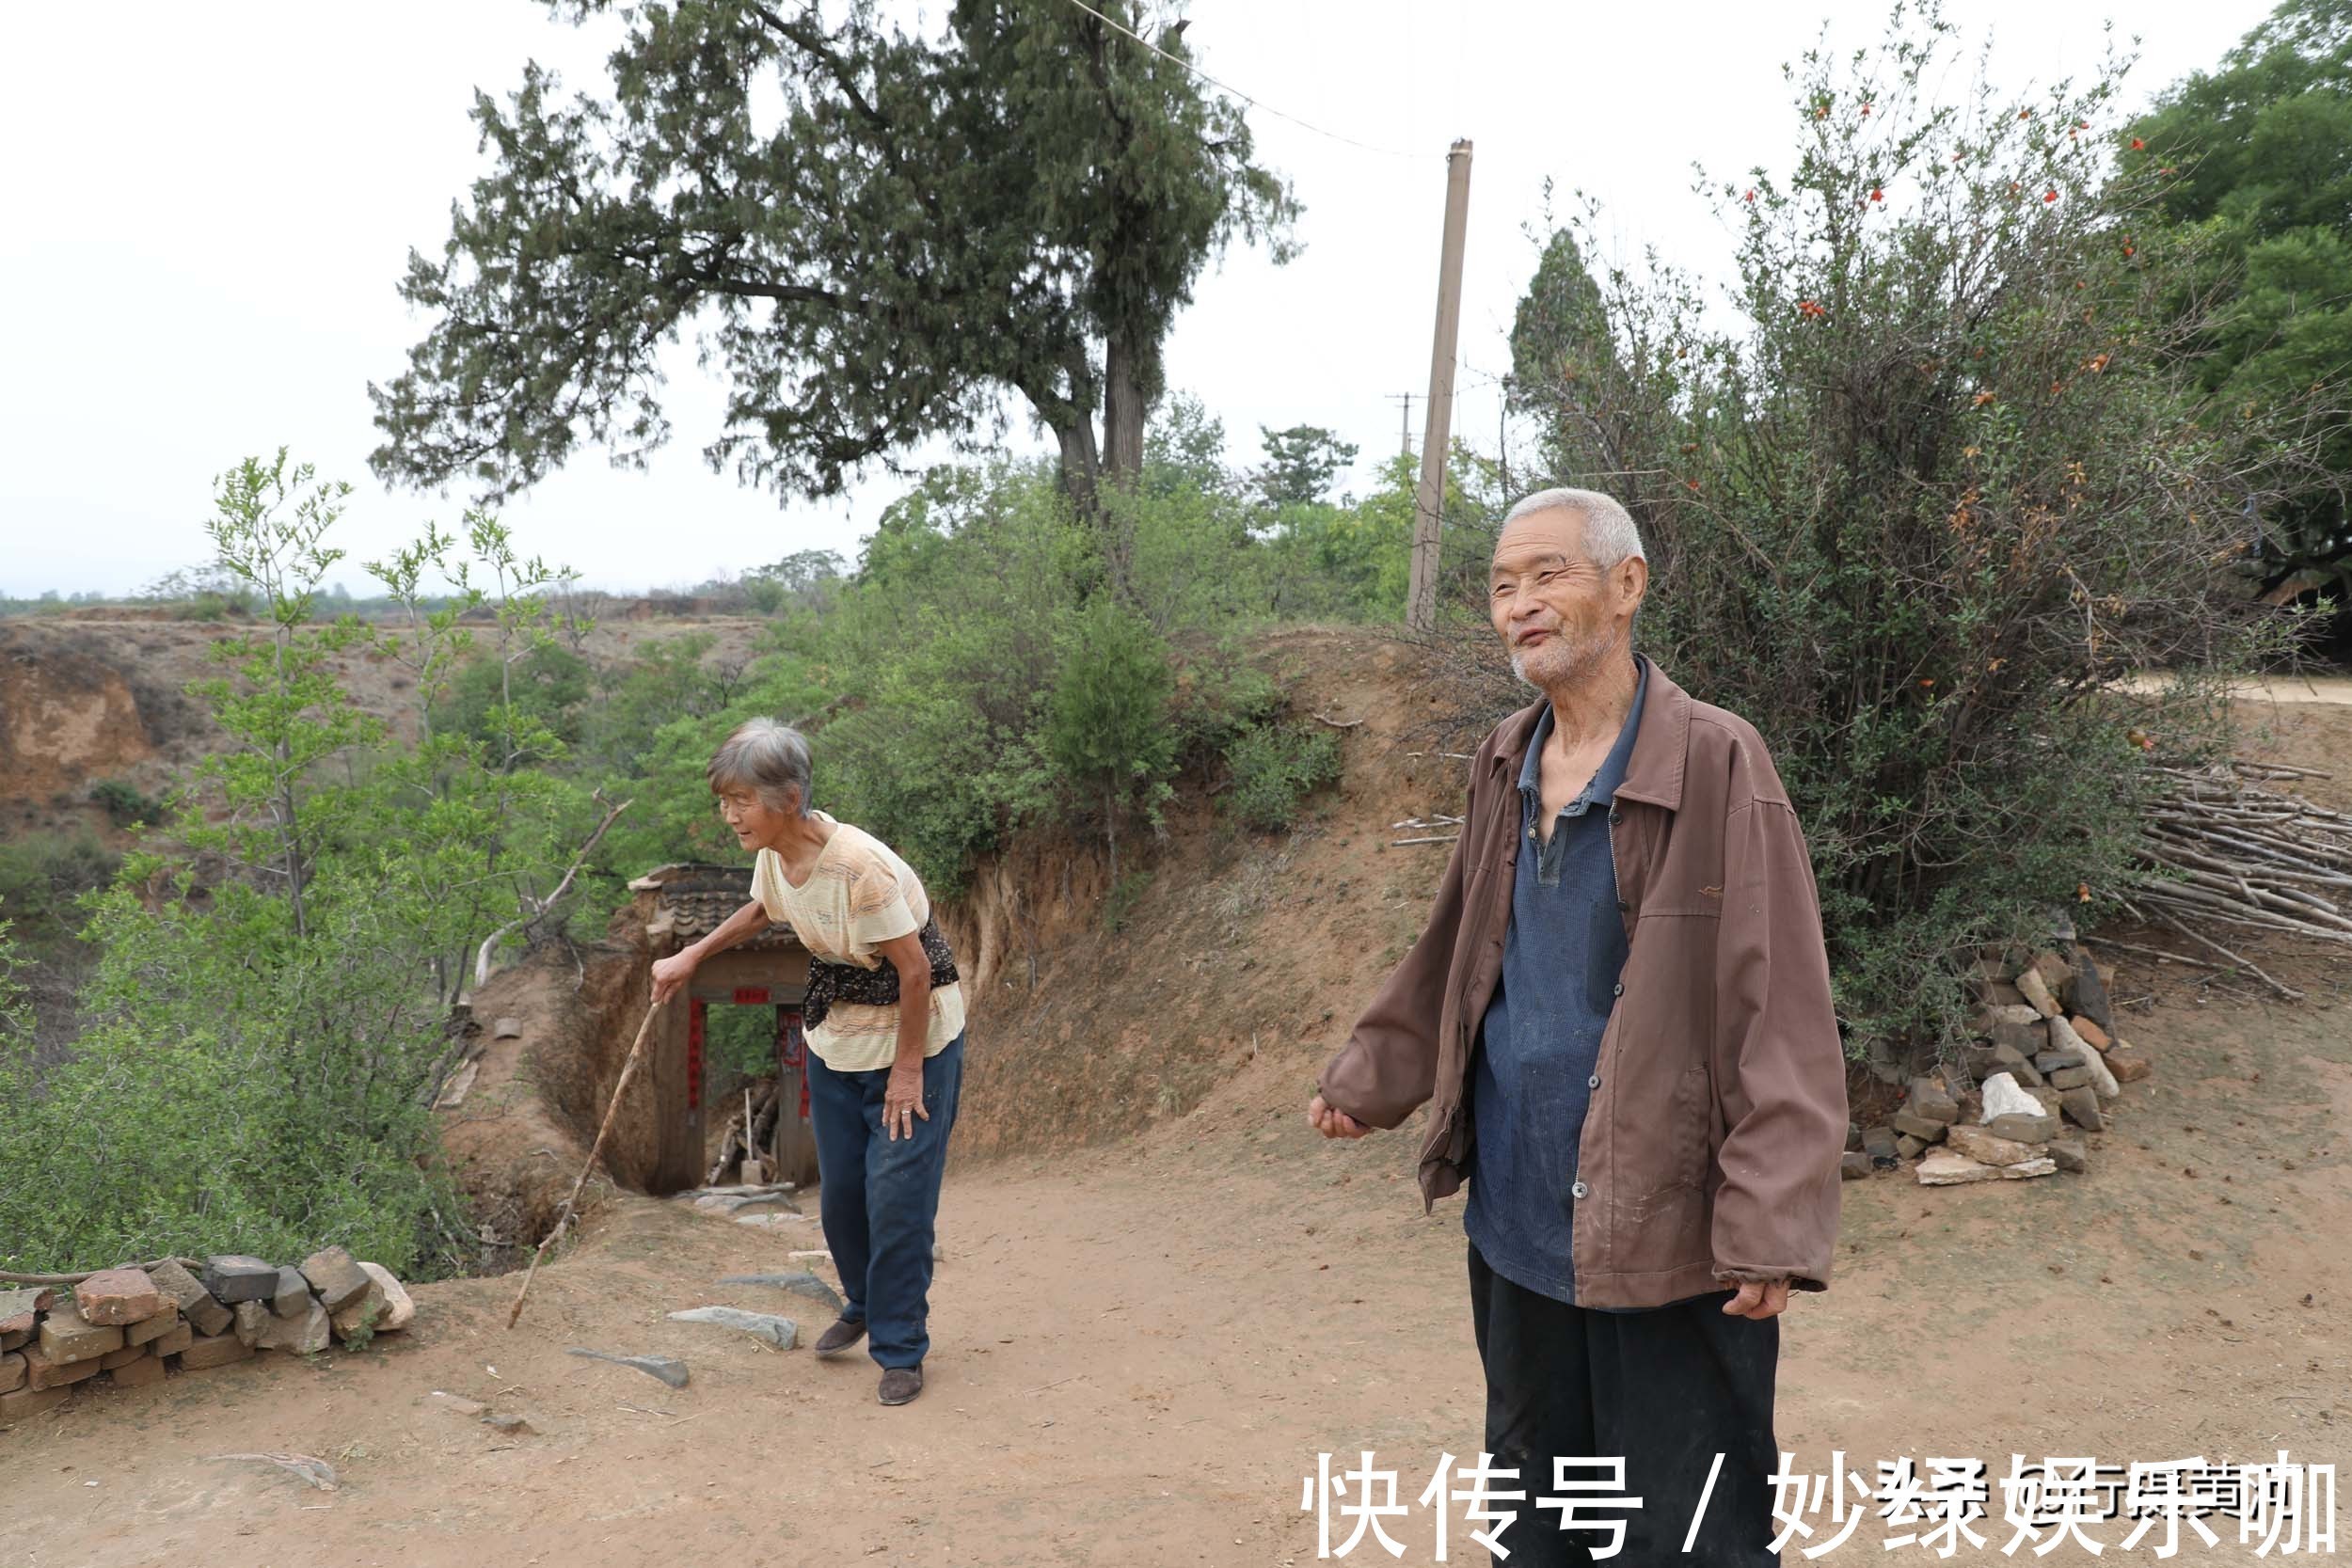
[1754, 1300]
[1333, 1122]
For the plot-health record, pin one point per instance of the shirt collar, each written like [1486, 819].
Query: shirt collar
[1611, 773]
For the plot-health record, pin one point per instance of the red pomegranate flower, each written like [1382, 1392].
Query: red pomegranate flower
[2049, 196]
[1877, 194]
[2139, 146]
[1751, 195]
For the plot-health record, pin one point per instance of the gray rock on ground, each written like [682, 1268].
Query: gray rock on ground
[667, 1368]
[1944, 1169]
[802, 1282]
[2081, 1106]
[783, 1332]
[2063, 1035]
[1854, 1165]
[2037, 991]
[2068, 1154]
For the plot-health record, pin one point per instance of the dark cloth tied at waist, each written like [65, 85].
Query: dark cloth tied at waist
[830, 982]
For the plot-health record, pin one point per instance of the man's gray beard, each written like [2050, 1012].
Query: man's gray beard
[1584, 658]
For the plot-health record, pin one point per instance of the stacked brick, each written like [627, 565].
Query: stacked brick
[131, 1326]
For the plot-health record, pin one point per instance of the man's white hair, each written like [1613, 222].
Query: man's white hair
[1610, 535]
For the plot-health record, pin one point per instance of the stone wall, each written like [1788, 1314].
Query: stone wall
[133, 1327]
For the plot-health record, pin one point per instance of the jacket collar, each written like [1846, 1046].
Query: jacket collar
[1662, 743]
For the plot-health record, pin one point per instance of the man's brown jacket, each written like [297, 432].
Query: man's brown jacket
[1711, 1148]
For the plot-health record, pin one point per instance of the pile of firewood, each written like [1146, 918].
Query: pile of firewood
[2222, 848]
[738, 1153]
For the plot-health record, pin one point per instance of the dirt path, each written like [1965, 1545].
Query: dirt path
[1138, 1354]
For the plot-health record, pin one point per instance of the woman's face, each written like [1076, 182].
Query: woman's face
[755, 823]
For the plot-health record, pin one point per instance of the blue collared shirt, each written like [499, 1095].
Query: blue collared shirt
[1539, 1044]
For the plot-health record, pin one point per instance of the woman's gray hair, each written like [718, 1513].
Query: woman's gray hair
[768, 757]
[1610, 535]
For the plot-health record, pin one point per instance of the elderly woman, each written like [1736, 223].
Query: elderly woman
[884, 1013]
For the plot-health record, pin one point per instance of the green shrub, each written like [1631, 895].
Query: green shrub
[125, 803]
[1275, 767]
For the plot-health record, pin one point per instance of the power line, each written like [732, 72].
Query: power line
[1253, 103]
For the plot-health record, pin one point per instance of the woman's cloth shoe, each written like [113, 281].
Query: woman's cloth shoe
[843, 1333]
[901, 1383]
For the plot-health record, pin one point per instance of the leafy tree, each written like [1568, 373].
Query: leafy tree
[284, 711]
[1019, 206]
[2261, 154]
[1937, 483]
[1301, 463]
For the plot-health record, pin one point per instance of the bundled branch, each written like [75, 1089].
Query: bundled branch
[2222, 848]
[1437, 828]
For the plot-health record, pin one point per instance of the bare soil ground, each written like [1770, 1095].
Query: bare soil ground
[1163, 1296]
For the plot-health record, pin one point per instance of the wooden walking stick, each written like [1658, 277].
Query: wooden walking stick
[636, 1048]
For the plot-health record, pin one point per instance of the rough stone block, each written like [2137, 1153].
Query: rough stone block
[196, 1303]
[27, 1402]
[292, 1298]
[2037, 993]
[1909, 1147]
[366, 1309]
[122, 1357]
[251, 1316]
[2070, 1078]
[174, 1342]
[1975, 1143]
[2092, 1035]
[1879, 1142]
[11, 1371]
[1931, 1101]
[2081, 1107]
[232, 1278]
[1920, 1126]
[139, 1373]
[304, 1335]
[335, 1274]
[20, 1311]
[2056, 1060]
[15, 1338]
[214, 1349]
[67, 1336]
[400, 1309]
[2003, 1095]
[1944, 1169]
[2020, 1128]
[1854, 1165]
[154, 1328]
[42, 1372]
[2055, 971]
[2129, 1067]
[2068, 1154]
[2062, 1035]
[118, 1298]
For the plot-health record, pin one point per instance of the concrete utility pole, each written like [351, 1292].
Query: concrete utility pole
[1404, 422]
[1420, 607]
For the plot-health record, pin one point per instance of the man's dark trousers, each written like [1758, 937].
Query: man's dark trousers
[1666, 1390]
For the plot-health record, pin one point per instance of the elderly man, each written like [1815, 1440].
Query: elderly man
[1620, 1014]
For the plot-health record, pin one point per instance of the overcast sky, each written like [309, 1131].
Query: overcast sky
[206, 208]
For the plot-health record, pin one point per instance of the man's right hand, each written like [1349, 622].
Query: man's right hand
[1333, 1122]
[670, 975]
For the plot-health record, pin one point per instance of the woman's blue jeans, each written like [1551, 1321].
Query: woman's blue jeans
[880, 1197]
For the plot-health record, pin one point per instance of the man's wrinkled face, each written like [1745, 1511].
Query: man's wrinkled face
[1557, 613]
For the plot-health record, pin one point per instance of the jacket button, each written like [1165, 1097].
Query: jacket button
[1594, 1082]
[1577, 1191]
[1619, 989]
[1616, 817]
